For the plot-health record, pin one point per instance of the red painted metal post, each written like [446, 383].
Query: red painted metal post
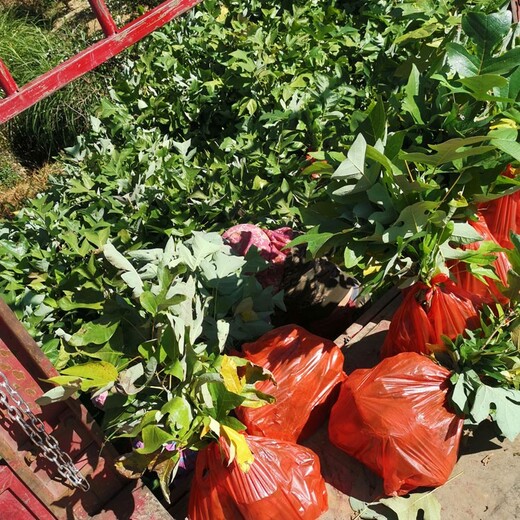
[104, 17]
[92, 57]
[7, 81]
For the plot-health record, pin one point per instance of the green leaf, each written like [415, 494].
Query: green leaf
[154, 438]
[511, 148]
[354, 164]
[504, 63]
[180, 413]
[149, 301]
[418, 34]
[450, 151]
[409, 508]
[350, 259]
[410, 104]
[503, 404]
[94, 333]
[464, 233]
[59, 393]
[130, 275]
[484, 83]
[461, 61]
[487, 30]
[411, 221]
[315, 241]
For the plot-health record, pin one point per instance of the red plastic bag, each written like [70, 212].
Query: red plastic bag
[393, 419]
[284, 482]
[306, 369]
[503, 214]
[428, 313]
[482, 293]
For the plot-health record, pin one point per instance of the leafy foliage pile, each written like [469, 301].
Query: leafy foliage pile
[157, 326]
[401, 197]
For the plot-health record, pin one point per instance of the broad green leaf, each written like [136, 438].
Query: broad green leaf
[503, 404]
[149, 301]
[504, 63]
[487, 30]
[354, 165]
[180, 414]
[461, 61]
[411, 221]
[94, 333]
[238, 448]
[59, 393]
[409, 508]
[451, 150]
[350, 259]
[315, 241]
[154, 438]
[464, 233]
[484, 83]
[511, 148]
[130, 275]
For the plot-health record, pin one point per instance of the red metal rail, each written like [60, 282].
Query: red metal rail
[116, 40]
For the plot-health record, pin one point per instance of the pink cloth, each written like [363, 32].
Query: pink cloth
[269, 243]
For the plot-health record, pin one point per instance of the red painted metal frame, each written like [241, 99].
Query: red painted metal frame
[28, 481]
[19, 99]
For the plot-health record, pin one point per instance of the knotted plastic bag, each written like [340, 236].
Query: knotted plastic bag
[284, 482]
[427, 313]
[393, 418]
[306, 370]
[482, 292]
[503, 214]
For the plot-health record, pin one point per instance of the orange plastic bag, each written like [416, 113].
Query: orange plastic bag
[482, 293]
[503, 214]
[284, 482]
[306, 369]
[393, 419]
[428, 313]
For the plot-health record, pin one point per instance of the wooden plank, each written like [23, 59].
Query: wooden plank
[92, 57]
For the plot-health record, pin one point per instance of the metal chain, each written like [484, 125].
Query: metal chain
[35, 429]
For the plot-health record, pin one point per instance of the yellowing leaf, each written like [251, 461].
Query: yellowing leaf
[221, 18]
[371, 269]
[504, 123]
[228, 371]
[238, 448]
[245, 310]
[102, 372]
